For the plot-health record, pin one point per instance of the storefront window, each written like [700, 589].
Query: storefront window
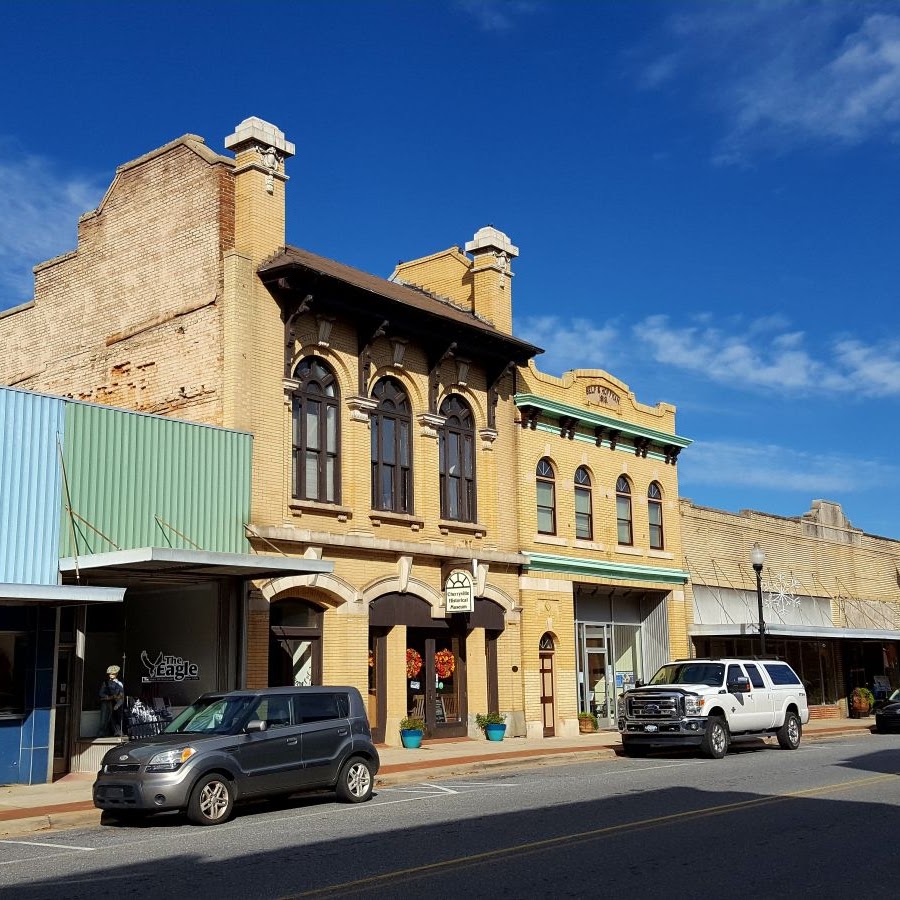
[166, 643]
[14, 653]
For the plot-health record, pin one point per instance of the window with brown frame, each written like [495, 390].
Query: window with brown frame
[624, 531]
[457, 461]
[315, 473]
[391, 450]
[584, 516]
[655, 516]
[545, 479]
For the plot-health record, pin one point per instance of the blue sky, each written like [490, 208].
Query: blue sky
[706, 195]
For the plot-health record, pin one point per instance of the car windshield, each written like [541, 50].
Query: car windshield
[690, 673]
[212, 715]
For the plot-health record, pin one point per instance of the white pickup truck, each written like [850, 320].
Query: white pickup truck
[707, 702]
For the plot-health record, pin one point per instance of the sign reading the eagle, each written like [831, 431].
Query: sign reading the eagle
[168, 668]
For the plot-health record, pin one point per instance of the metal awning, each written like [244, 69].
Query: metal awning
[59, 594]
[158, 562]
[777, 630]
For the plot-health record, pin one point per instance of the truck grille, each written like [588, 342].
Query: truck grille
[654, 708]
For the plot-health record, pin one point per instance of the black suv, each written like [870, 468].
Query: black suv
[241, 744]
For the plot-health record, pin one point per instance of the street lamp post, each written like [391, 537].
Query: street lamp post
[757, 558]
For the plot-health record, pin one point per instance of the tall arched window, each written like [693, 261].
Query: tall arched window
[315, 474]
[546, 497]
[623, 512]
[584, 516]
[457, 461]
[654, 515]
[391, 456]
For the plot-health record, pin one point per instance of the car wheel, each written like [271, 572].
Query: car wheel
[789, 733]
[716, 740]
[212, 800]
[354, 784]
[634, 749]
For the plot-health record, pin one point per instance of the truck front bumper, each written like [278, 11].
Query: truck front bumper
[671, 731]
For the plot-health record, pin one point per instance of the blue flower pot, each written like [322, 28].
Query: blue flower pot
[494, 732]
[411, 738]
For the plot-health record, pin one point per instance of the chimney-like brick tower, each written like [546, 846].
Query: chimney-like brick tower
[492, 255]
[260, 152]
[253, 333]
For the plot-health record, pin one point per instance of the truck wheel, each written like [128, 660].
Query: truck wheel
[212, 800]
[634, 749]
[789, 733]
[716, 740]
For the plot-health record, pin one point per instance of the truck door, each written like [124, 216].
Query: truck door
[763, 698]
[744, 713]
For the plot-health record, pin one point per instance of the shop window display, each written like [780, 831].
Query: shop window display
[165, 643]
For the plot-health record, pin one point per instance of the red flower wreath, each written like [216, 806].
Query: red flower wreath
[444, 663]
[413, 663]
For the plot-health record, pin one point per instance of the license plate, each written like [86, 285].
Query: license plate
[650, 728]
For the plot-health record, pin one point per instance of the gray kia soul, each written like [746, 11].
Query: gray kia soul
[232, 746]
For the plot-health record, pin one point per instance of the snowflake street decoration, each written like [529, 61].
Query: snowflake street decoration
[780, 592]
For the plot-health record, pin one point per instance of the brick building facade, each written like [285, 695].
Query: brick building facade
[387, 418]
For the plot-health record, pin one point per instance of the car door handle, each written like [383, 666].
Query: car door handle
[292, 740]
[343, 731]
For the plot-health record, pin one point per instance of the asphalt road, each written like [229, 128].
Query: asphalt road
[822, 820]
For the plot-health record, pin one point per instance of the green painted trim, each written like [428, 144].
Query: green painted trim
[570, 565]
[589, 418]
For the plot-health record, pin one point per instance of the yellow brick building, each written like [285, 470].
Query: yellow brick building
[400, 431]
[826, 597]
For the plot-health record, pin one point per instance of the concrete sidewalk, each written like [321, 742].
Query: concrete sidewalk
[67, 803]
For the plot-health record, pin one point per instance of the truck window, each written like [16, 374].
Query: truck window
[755, 678]
[710, 674]
[781, 673]
[734, 672]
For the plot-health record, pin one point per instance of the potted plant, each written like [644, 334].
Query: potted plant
[492, 724]
[587, 722]
[861, 701]
[411, 730]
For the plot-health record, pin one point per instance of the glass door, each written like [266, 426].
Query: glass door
[598, 694]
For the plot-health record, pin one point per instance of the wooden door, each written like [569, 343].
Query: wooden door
[547, 703]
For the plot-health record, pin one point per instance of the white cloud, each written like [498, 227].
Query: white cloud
[788, 73]
[778, 468]
[575, 344]
[498, 15]
[39, 210]
[743, 354]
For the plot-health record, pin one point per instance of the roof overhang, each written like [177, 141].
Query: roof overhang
[744, 629]
[664, 578]
[166, 561]
[298, 277]
[59, 594]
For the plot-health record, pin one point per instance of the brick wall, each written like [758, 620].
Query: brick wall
[131, 317]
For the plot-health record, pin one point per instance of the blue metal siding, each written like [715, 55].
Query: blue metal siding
[29, 486]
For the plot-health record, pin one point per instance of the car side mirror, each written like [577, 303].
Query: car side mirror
[255, 725]
[639, 683]
[741, 685]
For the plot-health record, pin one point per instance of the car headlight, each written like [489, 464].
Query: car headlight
[620, 706]
[170, 760]
[693, 705]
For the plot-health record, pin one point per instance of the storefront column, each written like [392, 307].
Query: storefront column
[396, 684]
[258, 641]
[476, 676]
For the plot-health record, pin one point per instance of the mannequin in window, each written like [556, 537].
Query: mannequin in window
[112, 704]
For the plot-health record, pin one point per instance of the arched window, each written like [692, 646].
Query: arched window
[391, 456]
[546, 497]
[654, 515]
[315, 473]
[624, 531]
[457, 461]
[584, 517]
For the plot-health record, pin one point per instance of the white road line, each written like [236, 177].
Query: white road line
[55, 846]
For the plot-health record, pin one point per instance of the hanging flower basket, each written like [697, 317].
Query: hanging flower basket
[413, 662]
[444, 663]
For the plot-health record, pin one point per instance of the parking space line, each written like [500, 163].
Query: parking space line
[55, 846]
